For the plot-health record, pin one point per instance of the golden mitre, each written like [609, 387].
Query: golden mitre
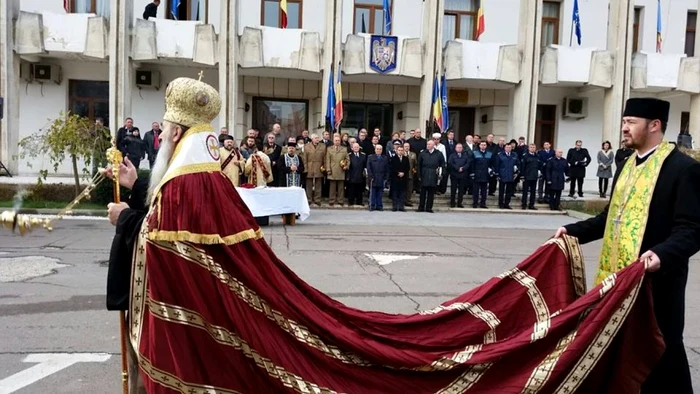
[190, 102]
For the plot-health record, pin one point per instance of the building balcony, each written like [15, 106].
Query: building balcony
[174, 42]
[267, 51]
[568, 66]
[658, 73]
[472, 64]
[76, 36]
[357, 55]
[689, 75]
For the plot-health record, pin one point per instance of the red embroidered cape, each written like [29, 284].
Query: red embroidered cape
[214, 311]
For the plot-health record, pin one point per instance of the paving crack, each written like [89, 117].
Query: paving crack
[365, 261]
[286, 236]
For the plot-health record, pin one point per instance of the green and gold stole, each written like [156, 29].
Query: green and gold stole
[629, 211]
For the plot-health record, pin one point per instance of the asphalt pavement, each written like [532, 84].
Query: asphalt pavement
[57, 337]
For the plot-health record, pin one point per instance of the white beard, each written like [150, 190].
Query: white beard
[160, 167]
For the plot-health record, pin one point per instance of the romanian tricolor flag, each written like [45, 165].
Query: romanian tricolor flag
[338, 99]
[659, 39]
[437, 104]
[283, 11]
[480, 23]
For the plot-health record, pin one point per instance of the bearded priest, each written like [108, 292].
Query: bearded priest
[653, 215]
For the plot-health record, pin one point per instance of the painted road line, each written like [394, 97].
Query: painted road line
[48, 364]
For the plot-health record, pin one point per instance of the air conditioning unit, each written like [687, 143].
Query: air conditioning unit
[147, 79]
[576, 108]
[47, 72]
[26, 71]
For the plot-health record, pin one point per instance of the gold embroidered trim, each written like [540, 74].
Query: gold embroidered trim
[180, 315]
[572, 250]
[196, 129]
[466, 380]
[536, 299]
[596, 349]
[541, 374]
[205, 239]
[172, 382]
[475, 310]
[139, 289]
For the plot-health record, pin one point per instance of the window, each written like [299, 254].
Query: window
[690, 33]
[187, 10]
[550, 23]
[545, 124]
[459, 20]
[635, 29]
[272, 15]
[368, 116]
[292, 115]
[99, 7]
[685, 121]
[369, 16]
[89, 99]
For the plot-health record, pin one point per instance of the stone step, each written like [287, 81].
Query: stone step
[542, 210]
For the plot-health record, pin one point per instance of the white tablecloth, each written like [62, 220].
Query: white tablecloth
[270, 201]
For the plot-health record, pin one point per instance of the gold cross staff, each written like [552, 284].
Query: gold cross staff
[201, 74]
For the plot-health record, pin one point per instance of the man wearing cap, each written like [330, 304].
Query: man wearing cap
[653, 216]
[290, 167]
[232, 163]
[336, 165]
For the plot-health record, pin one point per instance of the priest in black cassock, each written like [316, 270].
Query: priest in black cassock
[653, 215]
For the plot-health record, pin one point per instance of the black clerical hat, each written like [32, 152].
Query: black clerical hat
[226, 137]
[648, 108]
[290, 143]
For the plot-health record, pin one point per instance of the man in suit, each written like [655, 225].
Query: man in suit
[400, 168]
[356, 175]
[578, 159]
[430, 166]
[413, 164]
[543, 156]
[459, 166]
[151, 10]
[378, 174]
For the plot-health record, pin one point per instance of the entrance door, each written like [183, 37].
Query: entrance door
[462, 122]
[89, 99]
[368, 116]
[545, 124]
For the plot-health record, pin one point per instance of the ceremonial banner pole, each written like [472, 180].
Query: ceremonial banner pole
[115, 158]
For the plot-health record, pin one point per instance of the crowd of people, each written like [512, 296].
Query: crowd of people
[349, 170]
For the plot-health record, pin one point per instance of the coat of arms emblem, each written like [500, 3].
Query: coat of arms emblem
[383, 51]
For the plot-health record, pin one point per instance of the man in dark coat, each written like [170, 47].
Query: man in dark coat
[481, 174]
[400, 168]
[356, 175]
[152, 141]
[459, 166]
[151, 9]
[430, 162]
[543, 155]
[134, 147]
[621, 155]
[555, 174]
[669, 186]
[417, 142]
[578, 159]
[506, 172]
[530, 171]
[378, 175]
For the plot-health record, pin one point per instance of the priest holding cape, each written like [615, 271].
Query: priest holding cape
[653, 215]
[211, 309]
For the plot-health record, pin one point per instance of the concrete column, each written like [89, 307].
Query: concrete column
[620, 31]
[231, 116]
[694, 126]
[432, 57]
[524, 99]
[332, 54]
[121, 73]
[9, 85]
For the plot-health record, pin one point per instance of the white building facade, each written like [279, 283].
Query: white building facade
[521, 78]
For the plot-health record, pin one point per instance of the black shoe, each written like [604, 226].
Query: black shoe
[429, 211]
[402, 210]
[483, 206]
[420, 210]
[580, 194]
[452, 205]
[571, 196]
[475, 205]
[394, 210]
[532, 208]
[460, 206]
[523, 207]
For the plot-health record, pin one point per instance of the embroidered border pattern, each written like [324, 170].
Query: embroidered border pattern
[172, 382]
[536, 298]
[176, 314]
[596, 349]
[138, 286]
[466, 380]
[477, 311]
[541, 374]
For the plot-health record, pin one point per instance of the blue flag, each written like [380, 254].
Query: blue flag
[445, 111]
[386, 7]
[576, 18]
[330, 102]
[174, 5]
